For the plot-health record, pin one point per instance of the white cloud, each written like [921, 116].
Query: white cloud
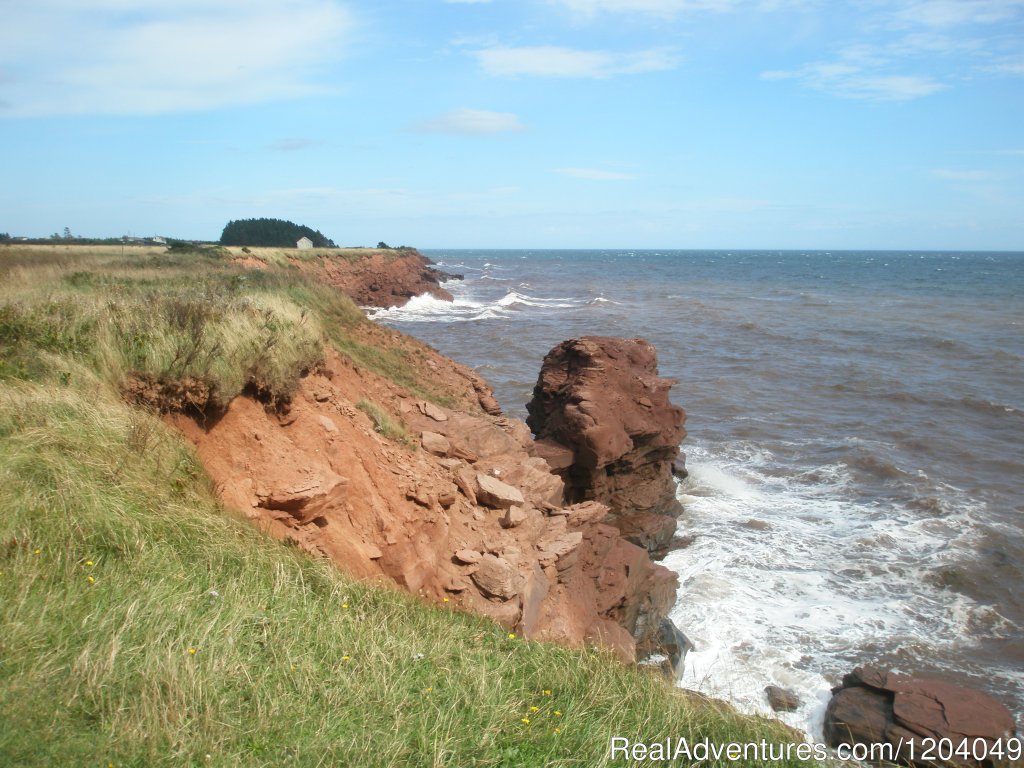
[917, 48]
[594, 174]
[471, 122]
[953, 13]
[552, 61]
[853, 82]
[115, 57]
[652, 7]
[887, 87]
[1007, 67]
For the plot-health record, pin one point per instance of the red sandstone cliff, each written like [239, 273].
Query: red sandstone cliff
[462, 512]
[465, 508]
[373, 277]
[385, 278]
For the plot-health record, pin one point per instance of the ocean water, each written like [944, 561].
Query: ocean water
[856, 446]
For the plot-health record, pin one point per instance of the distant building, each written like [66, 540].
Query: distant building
[160, 240]
[304, 244]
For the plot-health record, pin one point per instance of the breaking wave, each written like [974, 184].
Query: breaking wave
[791, 578]
[428, 309]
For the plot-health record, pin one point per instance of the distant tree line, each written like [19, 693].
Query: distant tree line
[271, 233]
[57, 238]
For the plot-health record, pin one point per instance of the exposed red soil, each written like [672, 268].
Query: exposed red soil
[377, 278]
[433, 521]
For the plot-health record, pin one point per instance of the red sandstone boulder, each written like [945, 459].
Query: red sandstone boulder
[496, 576]
[875, 706]
[602, 399]
[782, 700]
[495, 494]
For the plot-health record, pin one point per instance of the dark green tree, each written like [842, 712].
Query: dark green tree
[271, 233]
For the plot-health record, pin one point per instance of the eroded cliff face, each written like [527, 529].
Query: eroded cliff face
[460, 511]
[381, 278]
[603, 417]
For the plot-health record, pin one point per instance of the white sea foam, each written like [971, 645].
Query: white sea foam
[516, 299]
[787, 582]
[428, 309]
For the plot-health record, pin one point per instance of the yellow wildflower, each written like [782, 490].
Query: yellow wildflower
[89, 563]
[428, 689]
[511, 635]
[547, 692]
[525, 721]
[445, 600]
[344, 605]
[38, 552]
[346, 658]
[90, 579]
[535, 709]
[557, 731]
[557, 713]
[191, 651]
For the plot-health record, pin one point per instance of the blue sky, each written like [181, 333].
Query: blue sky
[520, 123]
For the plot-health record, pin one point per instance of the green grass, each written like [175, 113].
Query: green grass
[142, 624]
[383, 423]
[171, 316]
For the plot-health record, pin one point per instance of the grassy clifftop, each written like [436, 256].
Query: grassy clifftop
[143, 624]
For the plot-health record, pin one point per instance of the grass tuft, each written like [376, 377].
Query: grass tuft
[383, 423]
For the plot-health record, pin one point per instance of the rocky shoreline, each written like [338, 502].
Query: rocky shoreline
[551, 527]
[466, 511]
[383, 277]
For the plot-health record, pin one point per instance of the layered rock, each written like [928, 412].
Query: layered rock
[378, 277]
[603, 420]
[460, 512]
[877, 707]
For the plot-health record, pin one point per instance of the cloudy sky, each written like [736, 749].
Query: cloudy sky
[520, 123]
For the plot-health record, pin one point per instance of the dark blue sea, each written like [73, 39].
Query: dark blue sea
[856, 445]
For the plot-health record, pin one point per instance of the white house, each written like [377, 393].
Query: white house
[304, 244]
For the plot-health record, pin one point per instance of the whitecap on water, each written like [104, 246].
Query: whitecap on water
[789, 578]
[429, 309]
[516, 299]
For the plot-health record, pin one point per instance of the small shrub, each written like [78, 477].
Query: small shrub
[382, 423]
